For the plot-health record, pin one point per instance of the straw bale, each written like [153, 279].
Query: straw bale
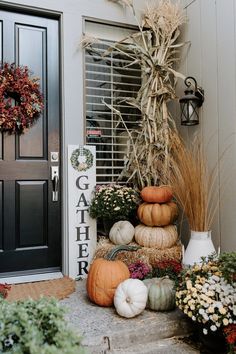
[148, 255]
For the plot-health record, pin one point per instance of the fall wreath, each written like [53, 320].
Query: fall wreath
[21, 101]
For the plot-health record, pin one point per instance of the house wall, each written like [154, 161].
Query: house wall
[72, 13]
[211, 59]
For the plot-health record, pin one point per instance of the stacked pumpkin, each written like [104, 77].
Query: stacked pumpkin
[157, 214]
[108, 283]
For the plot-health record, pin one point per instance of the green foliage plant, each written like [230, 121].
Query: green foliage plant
[36, 327]
[227, 266]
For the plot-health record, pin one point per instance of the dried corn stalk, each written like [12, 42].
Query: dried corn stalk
[154, 47]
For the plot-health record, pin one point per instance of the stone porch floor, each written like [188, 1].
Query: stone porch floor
[104, 332]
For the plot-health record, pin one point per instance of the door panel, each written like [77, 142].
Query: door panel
[33, 144]
[31, 199]
[30, 232]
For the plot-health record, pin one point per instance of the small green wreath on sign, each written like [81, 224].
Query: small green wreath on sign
[81, 159]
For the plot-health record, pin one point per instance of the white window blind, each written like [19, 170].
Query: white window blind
[112, 79]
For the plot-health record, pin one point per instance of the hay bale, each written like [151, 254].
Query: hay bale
[148, 255]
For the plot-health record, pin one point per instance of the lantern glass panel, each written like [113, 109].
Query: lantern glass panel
[189, 112]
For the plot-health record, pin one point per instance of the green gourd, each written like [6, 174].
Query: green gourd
[161, 294]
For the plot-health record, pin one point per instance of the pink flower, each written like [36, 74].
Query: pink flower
[139, 270]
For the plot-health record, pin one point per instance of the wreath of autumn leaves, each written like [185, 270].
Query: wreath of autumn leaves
[21, 101]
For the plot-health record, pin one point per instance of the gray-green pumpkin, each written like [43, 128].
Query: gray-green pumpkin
[161, 294]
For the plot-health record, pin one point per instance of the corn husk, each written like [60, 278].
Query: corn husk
[155, 48]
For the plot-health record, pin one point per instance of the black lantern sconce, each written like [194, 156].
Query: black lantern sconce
[190, 102]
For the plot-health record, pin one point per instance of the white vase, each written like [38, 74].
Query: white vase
[200, 245]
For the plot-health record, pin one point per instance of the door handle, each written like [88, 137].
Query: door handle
[55, 182]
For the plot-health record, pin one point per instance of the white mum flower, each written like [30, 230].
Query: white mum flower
[234, 310]
[213, 328]
[201, 311]
[215, 278]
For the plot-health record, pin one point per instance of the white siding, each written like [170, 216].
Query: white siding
[211, 59]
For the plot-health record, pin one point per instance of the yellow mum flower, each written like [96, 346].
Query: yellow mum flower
[222, 310]
[210, 309]
[225, 321]
[189, 284]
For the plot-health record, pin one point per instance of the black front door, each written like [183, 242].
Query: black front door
[30, 233]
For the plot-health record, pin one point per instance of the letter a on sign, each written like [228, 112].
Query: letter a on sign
[82, 228]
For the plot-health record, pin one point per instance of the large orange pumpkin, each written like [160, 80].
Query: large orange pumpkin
[154, 214]
[105, 275]
[154, 194]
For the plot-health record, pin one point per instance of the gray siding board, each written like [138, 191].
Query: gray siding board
[211, 59]
[209, 81]
[227, 117]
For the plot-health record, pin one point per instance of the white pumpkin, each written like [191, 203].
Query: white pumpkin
[121, 233]
[130, 298]
[156, 237]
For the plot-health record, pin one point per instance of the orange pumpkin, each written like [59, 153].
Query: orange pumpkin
[154, 214]
[105, 275]
[153, 194]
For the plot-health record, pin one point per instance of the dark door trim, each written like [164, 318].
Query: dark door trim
[57, 15]
[31, 10]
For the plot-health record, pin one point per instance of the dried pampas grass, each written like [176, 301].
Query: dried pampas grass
[193, 184]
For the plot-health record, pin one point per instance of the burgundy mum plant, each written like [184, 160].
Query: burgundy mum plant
[4, 288]
[139, 270]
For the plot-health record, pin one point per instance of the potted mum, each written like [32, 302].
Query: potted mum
[113, 202]
[4, 289]
[207, 294]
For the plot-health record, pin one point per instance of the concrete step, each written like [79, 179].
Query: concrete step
[165, 346]
[104, 331]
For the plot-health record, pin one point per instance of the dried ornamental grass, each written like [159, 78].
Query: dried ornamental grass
[154, 47]
[193, 185]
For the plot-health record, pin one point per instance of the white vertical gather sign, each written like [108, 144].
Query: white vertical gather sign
[82, 228]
